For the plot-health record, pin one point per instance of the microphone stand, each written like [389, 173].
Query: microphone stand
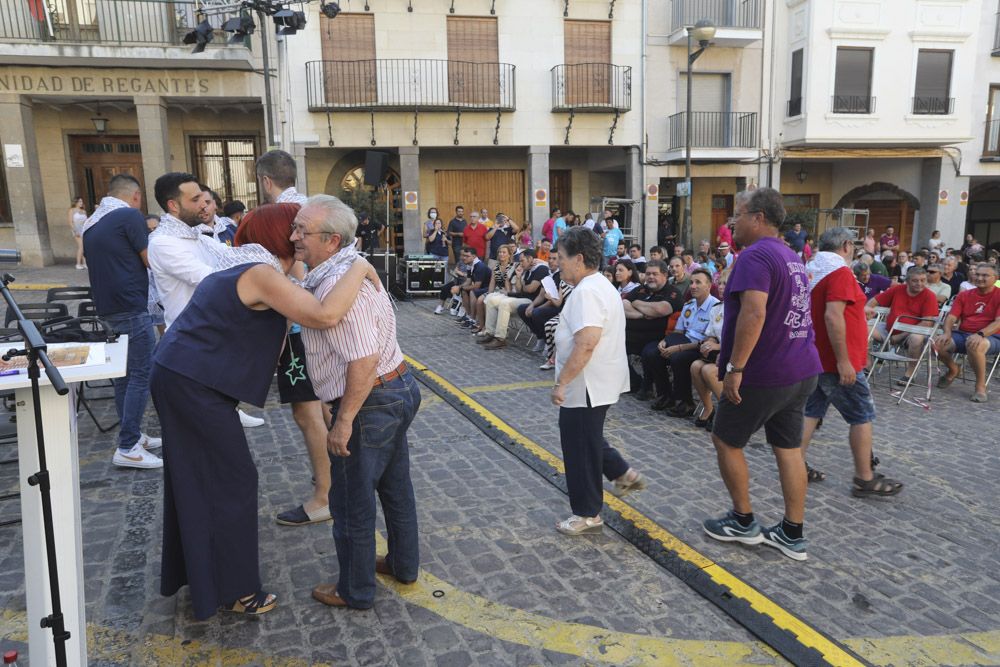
[35, 350]
[390, 237]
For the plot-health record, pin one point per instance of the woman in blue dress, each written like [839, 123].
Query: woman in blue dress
[221, 350]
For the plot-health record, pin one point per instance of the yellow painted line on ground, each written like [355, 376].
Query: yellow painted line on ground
[782, 618]
[37, 287]
[535, 384]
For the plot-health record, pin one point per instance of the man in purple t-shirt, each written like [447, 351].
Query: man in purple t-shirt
[768, 366]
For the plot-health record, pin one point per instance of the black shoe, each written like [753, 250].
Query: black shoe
[682, 409]
[643, 395]
[662, 403]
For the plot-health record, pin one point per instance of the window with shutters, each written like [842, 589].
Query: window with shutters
[349, 70]
[795, 94]
[473, 60]
[933, 85]
[587, 55]
[852, 86]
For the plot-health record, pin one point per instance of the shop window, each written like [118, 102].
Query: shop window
[226, 164]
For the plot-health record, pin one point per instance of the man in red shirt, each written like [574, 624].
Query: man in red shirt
[907, 302]
[838, 310]
[977, 313]
[474, 235]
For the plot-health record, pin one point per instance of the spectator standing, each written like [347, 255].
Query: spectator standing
[590, 355]
[499, 235]
[456, 231]
[935, 243]
[768, 364]
[841, 330]
[432, 215]
[638, 259]
[665, 235]
[436, 240]
[725, 255]
[612, 237]
[484, 218]
[368, 234]
[796, 237]
[233, 213]
[116, 240]
[548, 227]
[77, 216]
[724, 235]
[976, 313]
[870, 244]
[889, 240]
[474, 235]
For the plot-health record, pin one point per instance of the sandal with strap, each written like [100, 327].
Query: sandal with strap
[879, 485]
[625, 485]
[814, 475]
[254, 604]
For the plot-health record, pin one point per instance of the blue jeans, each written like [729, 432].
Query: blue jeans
[132, 390]
[379, 461]
[854, 402]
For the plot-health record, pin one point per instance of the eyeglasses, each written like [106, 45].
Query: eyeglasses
[300, 230]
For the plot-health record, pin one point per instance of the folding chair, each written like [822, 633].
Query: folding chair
[38, 312]
[881, 312]
[86, 309]
[68, 294]
[891, 353]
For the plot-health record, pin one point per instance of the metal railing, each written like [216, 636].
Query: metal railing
[853, 104]
[991, 146]
[409, 84]
[591, 86]
[794, 108]
[940, 106]
[723, 13]
[151, 22]
[715, 129]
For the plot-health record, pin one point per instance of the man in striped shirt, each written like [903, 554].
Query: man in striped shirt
[358, 369]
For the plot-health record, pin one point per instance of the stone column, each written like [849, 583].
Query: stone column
[154, 135]
[409, 178]
[641, 227]
[24, 181]
[538, 179]
[937, 174]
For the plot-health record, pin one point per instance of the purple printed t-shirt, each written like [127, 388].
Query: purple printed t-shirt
[785, 353]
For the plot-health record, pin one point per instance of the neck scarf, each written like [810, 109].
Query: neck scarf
[823, 265]
[336, 266]
[291, 196]
[107, 205]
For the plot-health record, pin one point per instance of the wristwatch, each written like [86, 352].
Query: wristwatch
[732, 369]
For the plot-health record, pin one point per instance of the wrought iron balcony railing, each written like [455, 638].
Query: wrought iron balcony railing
[853, 104]
[409, 84]
[714, 129]
[591, 87]
[939, 106]
[723, 13]
[145, 22]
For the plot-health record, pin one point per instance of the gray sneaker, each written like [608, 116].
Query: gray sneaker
[775, 537]
[728, 529]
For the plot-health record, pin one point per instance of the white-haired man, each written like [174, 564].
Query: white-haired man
[358, 369]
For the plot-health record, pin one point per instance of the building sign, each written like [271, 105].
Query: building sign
[541, 197]
[84, 84]
[652, 191]
[963, 198]
[684, 189]
[942, 198]
[13, 155]
[410, 199]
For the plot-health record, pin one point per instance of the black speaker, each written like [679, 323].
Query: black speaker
[376, 165]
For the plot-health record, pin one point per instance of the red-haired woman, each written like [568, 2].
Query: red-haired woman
[222, 349]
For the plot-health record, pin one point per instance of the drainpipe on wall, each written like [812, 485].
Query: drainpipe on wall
[642, 119]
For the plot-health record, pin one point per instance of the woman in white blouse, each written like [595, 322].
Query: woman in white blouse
[626, 276]
[591, 372]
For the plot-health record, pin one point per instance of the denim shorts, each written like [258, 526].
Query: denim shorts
[854, 403]
[959, 338]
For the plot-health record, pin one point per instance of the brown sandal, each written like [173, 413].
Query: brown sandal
[879, 485]
[253, 604]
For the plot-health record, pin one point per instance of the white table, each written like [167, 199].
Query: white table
[63, 462]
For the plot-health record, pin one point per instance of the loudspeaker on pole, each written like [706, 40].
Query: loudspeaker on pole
[376, 166]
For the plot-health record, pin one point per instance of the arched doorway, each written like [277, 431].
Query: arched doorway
[351, 189]
[888, 206]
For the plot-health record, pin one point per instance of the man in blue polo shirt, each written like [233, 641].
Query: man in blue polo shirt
[116, 237]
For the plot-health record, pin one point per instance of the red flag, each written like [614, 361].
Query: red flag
[37, 8]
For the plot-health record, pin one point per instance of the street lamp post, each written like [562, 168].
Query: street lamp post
[703, 31]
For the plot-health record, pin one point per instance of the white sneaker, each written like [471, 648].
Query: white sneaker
[137, 457]
[460, 312]
[539, 346]
[80, 267]
[250, 422]
[439, 309]
[547, 366]
[453, 311]
[149, 443]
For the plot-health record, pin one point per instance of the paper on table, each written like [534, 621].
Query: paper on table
[62, 355]
[550, 287]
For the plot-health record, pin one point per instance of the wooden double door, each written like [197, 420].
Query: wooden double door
[496, 190]
[98, 159]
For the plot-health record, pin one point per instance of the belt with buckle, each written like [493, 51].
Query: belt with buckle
[397, 372]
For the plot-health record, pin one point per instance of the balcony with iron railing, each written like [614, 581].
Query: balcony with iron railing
[593, 87]
[737, 22]
[719, 131]
[409, 84]
[82, 28]
[933, 106]
[853, 104]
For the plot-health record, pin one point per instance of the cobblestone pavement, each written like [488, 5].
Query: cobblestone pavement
[881, 576]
